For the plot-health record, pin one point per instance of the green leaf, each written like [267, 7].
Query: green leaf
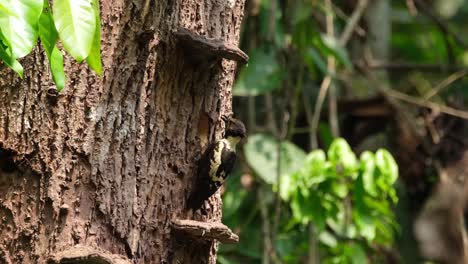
[7, 58]
[368, 170]
[366, 226]
[94, 58]
[340, 189]
[6, 9]
[313, 58]
[387, 165]
[355, 253]
[76, 24]
[340, 154]
[262, 75]
[56, 67]
[21, 29]
[47, 31]
[49, 35]
[306, 209]
[313, 170]
[337, 50]
[261, 152]
[10, 61]
[288, 185]
[326, 134]
[328, 239]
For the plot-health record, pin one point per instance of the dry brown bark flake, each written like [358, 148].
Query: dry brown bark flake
[107, 164]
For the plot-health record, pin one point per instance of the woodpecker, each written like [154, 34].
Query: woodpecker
[216, 164]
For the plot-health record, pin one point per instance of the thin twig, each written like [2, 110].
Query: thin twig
[313, 249]
[309, 116]
[332, 105]
[327, 82]
[411, 7]
[353, 21]
[324, 86]
[270, 114]
[317, 110]
[445, 83]
[265, 228]
[416, 101]
[428, 104]
[251, 115]
[283, 131]
[342, 15]
[407, 66]
[272, 21]
[294, 104]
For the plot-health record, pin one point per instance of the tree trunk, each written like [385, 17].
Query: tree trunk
[100, 170]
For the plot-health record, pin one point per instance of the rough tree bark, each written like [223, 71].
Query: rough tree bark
[100, 170]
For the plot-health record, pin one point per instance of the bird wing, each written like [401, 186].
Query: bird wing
[202, 188]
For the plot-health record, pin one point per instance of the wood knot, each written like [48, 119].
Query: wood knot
[205, 231]
[202, 49]
[81, 254]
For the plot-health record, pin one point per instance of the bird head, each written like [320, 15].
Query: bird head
[234, 129]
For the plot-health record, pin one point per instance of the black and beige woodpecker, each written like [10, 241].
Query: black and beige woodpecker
[216, 164]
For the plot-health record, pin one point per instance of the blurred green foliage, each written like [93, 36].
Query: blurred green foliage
[347, 194]
[348, 200]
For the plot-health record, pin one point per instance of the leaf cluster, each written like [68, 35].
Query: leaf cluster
[75, 23]
[347, 199]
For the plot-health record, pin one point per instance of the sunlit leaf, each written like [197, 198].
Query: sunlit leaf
[387, 165]
[366, 226]
[6, 9]
[367, 170]
[328, 239]
[94, 58]
[49, 36]
[75, 21]
[20, 29]
[261, 152]
[340, 189]
[10, 61]
[340, 154]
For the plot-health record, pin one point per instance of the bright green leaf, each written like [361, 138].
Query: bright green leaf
[328, 239]
[76, 23]
[56, 67]
[387, 165]
[10, 61]
[368, 169]
[94, 58]
[340, 154]
[6, 9]
[288, 185]
[366, 227]
[340, 189]
[21, 29]
[313, 170]
[49, 36]
[47, 32]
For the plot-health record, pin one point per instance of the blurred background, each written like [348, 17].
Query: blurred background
[357, 133]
